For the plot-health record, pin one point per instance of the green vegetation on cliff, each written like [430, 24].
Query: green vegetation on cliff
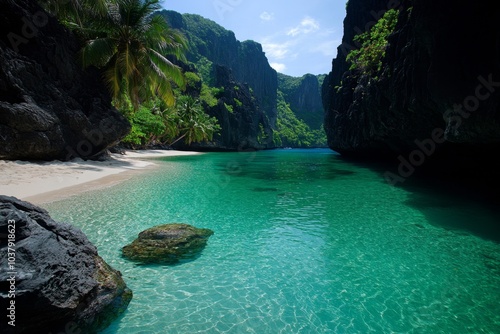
[293, 132]
[304, 96]
[129, 44]
[368, 58]
[163, 71]
[159, 124]
[139, 53]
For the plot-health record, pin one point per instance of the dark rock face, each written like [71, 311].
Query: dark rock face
[254, 69]
[60, 280]
[49, 107]
[439, 82]
[167, 244]
[243, 126]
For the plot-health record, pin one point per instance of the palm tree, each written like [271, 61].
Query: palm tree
[74, 12]
[131, 44]
[194, 124]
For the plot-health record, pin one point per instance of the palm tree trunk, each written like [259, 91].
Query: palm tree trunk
[175, 141]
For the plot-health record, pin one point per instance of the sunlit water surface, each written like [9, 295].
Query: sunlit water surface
[304, 243]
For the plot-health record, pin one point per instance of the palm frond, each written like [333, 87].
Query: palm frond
[98, 52]
[167, 67]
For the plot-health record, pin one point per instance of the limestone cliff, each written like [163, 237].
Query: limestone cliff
[304, 96]
[212, 47]
[49, 107]
[437, 93]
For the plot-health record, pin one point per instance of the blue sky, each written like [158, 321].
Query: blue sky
[298, 37]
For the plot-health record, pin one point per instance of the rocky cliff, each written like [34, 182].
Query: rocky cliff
[49, 107]
[212, 46]
[437, 93]
[304, 96]
[52, 278]
[244, 126]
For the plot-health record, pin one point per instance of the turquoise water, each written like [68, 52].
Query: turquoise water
[304, 243]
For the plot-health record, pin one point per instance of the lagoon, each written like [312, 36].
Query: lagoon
[305, 242]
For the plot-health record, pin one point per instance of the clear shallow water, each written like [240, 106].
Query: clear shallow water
[304, 243]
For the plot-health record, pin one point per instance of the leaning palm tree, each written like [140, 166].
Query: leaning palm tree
[194, 124]
[131, 44]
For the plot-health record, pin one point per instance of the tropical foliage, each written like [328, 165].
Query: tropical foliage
[132, 45]
[292, 89]
[368, 58]
[137, 51]
[157, 123]
[138, 54]
[194, 124]
[293, 132]
[77, 13]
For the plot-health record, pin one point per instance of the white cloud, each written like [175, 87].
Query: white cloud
[265, 16]
[304, 41]
[306, 26]
[278, 67]
[276, 50]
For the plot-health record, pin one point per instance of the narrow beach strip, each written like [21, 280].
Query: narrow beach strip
[42, 182]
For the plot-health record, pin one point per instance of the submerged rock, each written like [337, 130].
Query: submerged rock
[61, 283]
[167, 243]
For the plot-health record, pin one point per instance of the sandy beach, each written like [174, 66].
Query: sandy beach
[42, 182]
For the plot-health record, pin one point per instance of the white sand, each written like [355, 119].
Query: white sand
[43, 182]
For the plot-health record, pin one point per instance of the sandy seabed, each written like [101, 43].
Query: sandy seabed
[42, 182]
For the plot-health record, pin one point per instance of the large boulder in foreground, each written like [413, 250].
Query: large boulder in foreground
[61, 283]
[50, 108]
[167, 244]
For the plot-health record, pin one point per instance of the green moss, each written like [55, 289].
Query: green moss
[109, 281]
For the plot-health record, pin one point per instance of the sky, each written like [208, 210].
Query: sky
[298, 37]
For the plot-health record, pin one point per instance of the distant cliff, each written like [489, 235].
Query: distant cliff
[49, 107]
[212, 46]
[304, 96]
[437, 92]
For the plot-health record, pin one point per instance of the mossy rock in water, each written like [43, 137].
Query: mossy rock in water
[167, 244]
